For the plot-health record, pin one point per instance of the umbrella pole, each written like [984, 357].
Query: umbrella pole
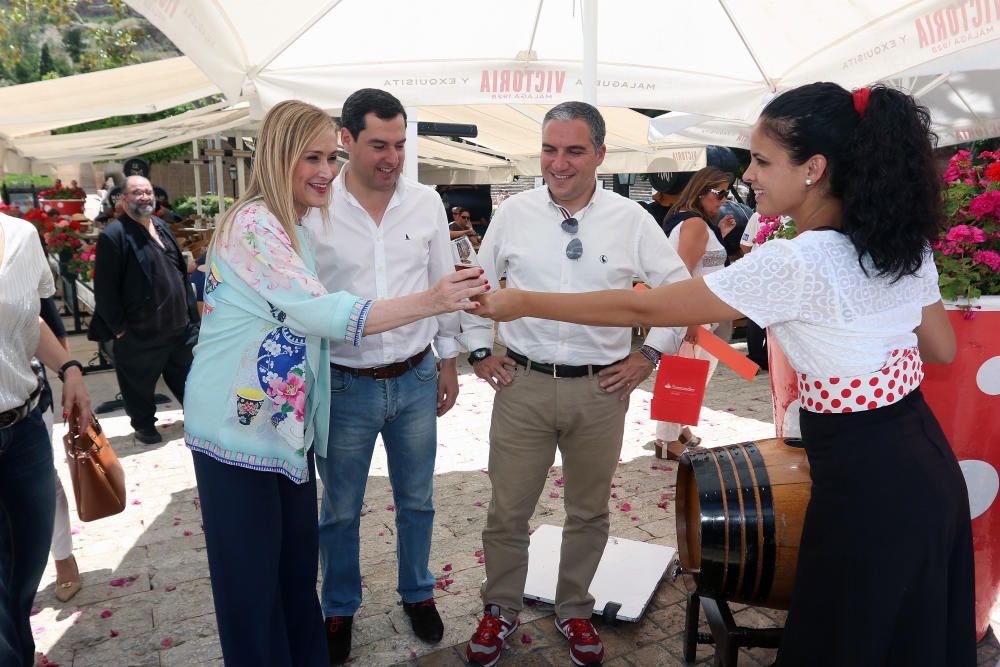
[590, 51]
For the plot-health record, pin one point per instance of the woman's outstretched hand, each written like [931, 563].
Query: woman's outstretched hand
[503, 306]
[458, 291]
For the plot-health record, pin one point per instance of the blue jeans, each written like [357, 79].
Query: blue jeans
[404, 411]
[27, 509]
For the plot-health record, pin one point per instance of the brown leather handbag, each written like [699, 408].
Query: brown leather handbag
[98, 478]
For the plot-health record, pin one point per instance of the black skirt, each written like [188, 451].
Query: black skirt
[885, 571]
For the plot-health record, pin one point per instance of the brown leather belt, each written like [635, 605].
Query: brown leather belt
[385, 372]
[14, 415]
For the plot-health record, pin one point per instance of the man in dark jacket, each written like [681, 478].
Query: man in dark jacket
[142, 295]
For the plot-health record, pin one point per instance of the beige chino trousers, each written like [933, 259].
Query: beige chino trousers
[531, 417]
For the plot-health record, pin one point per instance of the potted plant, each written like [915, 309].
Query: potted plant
[965, 395]
[66, 200]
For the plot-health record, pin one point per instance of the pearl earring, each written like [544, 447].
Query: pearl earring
[809, 181]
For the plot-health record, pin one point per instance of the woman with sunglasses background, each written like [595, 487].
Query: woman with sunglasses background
[690, 227]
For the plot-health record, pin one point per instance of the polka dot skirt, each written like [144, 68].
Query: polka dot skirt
[901, 374]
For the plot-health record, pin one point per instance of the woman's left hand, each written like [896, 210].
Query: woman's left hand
[74, 392]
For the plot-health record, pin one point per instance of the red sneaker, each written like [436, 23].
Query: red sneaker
[487, 641]
[585, 645]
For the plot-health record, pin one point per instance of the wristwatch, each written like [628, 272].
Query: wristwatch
[652, 354]
[479, 355]
[65, 367]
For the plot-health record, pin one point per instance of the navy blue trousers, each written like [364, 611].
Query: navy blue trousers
[27, 508]
[263, 556]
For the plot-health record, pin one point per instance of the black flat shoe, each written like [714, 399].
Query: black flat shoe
[148, 436]
[425, 619]
[338, 638]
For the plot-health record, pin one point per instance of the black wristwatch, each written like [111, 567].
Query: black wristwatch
[65, 367]
[479, 355]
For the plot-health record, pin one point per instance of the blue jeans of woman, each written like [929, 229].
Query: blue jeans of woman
[27, 509]
[404, 410]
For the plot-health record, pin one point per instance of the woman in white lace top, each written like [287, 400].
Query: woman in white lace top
[885, 570]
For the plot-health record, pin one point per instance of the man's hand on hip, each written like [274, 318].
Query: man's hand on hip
[497, 370]
[626, 375]
[447, 385]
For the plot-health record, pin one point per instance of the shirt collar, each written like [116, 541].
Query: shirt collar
[579, 214]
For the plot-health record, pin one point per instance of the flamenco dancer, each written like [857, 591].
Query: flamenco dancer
[885, 572]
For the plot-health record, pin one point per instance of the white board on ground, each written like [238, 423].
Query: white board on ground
[628, 574]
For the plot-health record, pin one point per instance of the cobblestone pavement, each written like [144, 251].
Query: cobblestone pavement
[146, 598]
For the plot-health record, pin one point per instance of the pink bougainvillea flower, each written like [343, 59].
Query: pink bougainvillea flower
[482, 559]
[188, 533]
[526, 638]
[390, 507]
[559, 482]
[478, 503]
[626, 507]
[136, 502]
[553, 494]
[167, 642]
[614, 495]
[113, 633]
[446, 568]
[107, 613]
[662, 506]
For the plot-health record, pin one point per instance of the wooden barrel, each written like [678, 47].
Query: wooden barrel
[740, 510]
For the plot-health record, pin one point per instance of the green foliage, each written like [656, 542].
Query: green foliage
[45, 64]
[27, 180]
[186, 206]
[74, 44]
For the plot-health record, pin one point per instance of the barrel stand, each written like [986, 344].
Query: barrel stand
[725, 634]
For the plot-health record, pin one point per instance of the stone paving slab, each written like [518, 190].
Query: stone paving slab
[147, 598]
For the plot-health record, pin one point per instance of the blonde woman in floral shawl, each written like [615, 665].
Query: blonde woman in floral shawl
[259, 391]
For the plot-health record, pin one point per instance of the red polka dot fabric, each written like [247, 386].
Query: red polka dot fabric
[901, 374]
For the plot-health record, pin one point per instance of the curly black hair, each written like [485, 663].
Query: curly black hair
[880, 165]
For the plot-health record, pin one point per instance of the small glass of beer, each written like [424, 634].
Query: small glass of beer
[463, 254]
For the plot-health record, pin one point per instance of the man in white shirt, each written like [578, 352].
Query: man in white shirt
[561, 385]
[388, 237]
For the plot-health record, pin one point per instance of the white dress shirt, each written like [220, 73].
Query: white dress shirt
[25, 278]
[620, 241]
[407, 253]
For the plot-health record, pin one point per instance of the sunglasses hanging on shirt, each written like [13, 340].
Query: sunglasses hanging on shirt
[570, 225]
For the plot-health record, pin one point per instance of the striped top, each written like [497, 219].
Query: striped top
[24, 279]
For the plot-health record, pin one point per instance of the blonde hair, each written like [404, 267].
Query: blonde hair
[285, 134]
[702, 181]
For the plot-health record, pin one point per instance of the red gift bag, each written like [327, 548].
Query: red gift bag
[679, 390]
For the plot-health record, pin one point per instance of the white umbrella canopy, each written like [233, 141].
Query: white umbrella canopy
[964, 106]
[716, 58]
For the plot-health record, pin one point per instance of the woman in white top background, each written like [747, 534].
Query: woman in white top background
[885, 569]
[691, 230]
[27, 478]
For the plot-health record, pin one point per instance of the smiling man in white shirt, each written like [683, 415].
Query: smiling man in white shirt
[388, 237]
[561, 385]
